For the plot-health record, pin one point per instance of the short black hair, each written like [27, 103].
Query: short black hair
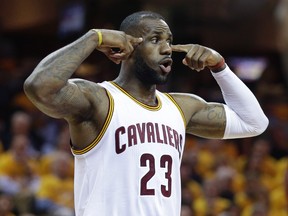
[130, 24]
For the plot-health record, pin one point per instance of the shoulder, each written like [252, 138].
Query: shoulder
[186, 99]
[88, 87]
[189, 103]
[82, 83]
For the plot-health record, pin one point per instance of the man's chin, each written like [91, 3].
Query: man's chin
[162, 80]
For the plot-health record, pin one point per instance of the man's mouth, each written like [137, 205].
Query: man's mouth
[165, 65]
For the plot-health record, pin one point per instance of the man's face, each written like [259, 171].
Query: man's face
[153, 56]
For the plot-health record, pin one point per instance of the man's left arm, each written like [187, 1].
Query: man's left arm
[244, 116]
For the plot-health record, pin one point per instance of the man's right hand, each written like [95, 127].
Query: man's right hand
[117, 45]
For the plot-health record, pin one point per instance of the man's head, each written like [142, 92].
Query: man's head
[131, 24]
[151, 60]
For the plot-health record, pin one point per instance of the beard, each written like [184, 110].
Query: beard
[146, 74]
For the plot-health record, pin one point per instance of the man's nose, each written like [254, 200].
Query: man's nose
[166, 48]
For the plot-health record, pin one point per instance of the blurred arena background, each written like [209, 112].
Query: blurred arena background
[240, 177]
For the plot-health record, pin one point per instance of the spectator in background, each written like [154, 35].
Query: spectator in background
[18, 173]
[62, 145]
[55, 193]
[186, 210]
[6, 205]
[21, 124]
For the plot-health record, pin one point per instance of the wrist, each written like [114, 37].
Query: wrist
[221, 65]
[99, 36]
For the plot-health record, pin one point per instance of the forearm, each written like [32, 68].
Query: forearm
[53, 72]
[244, 116]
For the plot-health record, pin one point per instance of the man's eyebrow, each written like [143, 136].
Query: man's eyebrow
[161, 33]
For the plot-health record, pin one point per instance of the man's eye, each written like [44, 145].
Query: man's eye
[154, 40]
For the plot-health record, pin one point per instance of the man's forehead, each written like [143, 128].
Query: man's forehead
[152, 25]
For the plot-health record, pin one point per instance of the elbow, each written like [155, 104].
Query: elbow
[34, 89]
[262, 125]
[29, 87]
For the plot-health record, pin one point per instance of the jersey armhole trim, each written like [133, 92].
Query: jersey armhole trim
[178, 107]
[103, 130]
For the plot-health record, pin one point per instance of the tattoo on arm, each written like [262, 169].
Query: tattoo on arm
[54, 70]
[214, 113]
[209, 122]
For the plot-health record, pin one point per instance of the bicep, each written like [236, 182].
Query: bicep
[208, 122]
[203, 119]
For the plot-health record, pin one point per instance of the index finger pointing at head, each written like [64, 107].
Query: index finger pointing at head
[181, 48]
[135, 41]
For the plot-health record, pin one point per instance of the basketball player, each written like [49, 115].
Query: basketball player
[127, 137]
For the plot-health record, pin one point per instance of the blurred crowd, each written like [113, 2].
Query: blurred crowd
[241, 177]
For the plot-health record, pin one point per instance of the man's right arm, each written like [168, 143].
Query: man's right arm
[49, 88]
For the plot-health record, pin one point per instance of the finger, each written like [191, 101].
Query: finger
[205, 58]
[181, 48]
[115, 60]
[134, 41]
[198, 63]
[118, 55]
[190, 57]
[184, 62]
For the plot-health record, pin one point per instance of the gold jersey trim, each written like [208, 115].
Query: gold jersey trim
[178, 107]
[152, 108]
[103, 130]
